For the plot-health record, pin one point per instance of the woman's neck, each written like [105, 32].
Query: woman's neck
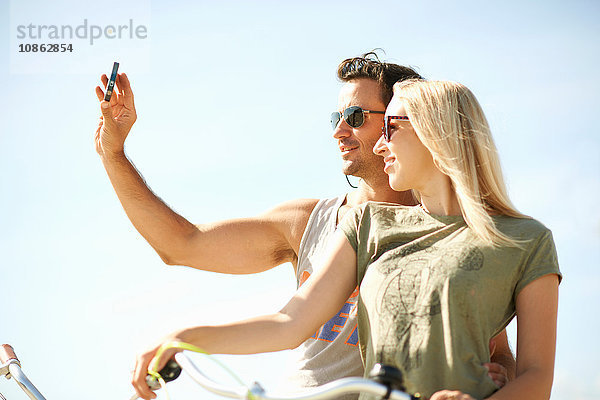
[438, 197]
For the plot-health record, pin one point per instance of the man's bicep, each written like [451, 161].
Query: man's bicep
[240, 246]
[250, 245]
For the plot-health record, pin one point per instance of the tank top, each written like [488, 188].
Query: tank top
[332, 352]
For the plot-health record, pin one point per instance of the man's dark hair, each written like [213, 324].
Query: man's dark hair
[369, 66]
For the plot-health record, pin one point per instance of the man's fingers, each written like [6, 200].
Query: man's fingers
[496, 376]
[104, 79]
[498, 373]
[118, 90]
[99, 93]
[114, 98]
[124, 97]
[495, 368]
[125, 84]
[125, 88]
[107, 112]
[119, 84]
[499, 380]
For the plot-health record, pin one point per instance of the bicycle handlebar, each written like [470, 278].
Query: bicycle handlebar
[325, 392]
[10, 367]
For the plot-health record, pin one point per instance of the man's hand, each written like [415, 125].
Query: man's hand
[496, 371]
[117, 118]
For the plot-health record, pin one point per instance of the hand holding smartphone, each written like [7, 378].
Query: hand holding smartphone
[111, 82]
[117, 116]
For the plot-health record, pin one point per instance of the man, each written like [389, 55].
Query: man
[296, 231]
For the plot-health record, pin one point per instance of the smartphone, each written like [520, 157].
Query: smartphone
[111, 82]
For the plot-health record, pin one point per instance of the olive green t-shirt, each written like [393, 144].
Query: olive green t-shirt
[432, 294]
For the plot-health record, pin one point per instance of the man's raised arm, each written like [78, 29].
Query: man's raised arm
[238, 246]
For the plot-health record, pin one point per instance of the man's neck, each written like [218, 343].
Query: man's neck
[380, 191]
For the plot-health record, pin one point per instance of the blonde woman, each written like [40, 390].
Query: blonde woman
[438, 280]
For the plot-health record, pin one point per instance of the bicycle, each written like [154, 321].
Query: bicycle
[385, 382]
[10, 367]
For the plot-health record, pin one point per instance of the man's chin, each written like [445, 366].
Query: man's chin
[350, 168]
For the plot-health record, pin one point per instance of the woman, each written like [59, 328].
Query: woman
[437, 281]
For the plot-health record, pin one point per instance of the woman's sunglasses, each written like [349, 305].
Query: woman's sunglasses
[385, 129]
[354, 116]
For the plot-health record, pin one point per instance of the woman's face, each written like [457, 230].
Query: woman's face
[408, 163]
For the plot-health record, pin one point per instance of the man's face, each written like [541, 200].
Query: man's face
[356, 144]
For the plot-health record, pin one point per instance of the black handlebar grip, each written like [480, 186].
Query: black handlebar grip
[388, 376]
[169, 373]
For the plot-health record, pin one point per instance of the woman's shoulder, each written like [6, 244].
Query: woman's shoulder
[530, 234]
[521, 228]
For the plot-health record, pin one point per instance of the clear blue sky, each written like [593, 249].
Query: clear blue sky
[233, 100]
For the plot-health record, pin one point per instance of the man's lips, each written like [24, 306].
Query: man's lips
[347, 148]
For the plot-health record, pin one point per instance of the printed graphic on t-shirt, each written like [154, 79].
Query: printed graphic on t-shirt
[409, 295]
[332, 328]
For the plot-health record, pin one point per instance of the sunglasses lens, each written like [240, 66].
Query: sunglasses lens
[354, 116]
[335, 119]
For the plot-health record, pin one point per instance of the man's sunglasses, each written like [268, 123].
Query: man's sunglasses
[354, 116]
[385, 129]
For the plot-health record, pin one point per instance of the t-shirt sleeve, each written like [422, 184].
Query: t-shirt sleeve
[542, 261]
[349, 226]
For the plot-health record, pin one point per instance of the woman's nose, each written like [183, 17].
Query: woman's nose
[380, 147]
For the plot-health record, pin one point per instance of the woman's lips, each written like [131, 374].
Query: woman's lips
[389, 161]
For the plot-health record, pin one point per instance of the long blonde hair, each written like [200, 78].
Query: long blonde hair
[449, 121]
